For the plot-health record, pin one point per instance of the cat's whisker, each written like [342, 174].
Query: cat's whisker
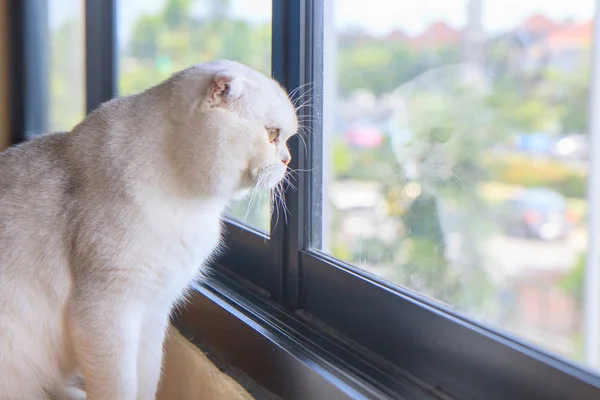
[308, 103]
[250, 203]
[256, 192]
[400, 174]
[286, 209]
[301, 138]
[278, 199]
[296, 170]
[310, 116]
[311, 92]
[403, 184]
[283, 202]
[462, 183]
[304, 101]
[310, 123]
[274, 206]
[314, 86]
[306, 126]
[455, 184]
[288, 181]
[263, 195]
[298, 88]
[248, 206]
[311, 129]
[305, 94]
[305, 131]
[275, 212]
[446, 185]
[454, 187]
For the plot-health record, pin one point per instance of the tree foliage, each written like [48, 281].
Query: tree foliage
[176, 38]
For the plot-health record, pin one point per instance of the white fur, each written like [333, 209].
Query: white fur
[103, 228]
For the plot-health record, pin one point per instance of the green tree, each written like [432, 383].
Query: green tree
[175, 38]
[177, 13]
[380, 65]
[67, 94]
[574, 282]
[144, 42]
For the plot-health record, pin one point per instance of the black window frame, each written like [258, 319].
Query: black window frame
[406, 335]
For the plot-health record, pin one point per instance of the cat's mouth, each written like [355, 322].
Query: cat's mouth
[411, 170]
[433, 171]
[430, 180]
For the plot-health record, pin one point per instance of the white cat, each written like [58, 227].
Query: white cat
[441, 123]
[103, 228]
[442, 128]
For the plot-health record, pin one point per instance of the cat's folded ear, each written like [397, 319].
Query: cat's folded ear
[223, 89]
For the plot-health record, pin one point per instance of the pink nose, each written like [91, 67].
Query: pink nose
[286, 162]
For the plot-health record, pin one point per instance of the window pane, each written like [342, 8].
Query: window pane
[157, 38]
[455, 156]
[66, 94]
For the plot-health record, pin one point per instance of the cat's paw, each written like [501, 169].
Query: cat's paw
[71, 393]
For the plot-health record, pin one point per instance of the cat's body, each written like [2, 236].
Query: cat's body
[103, 228]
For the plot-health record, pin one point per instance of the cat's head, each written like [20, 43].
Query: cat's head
[236, 122]
[439, 122]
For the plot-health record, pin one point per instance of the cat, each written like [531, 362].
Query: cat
[439, 118]
[103, 228]
[440, 128]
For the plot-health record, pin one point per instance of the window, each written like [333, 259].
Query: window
[440, 231]
[158, 38]
[52, 78]
[456, 155]
[66, 102]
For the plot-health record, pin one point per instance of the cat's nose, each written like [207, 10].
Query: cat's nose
[286, 162]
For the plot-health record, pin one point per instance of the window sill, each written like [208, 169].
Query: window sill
[285, 354]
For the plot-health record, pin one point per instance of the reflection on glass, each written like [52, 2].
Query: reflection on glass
[66, 105]
[159, 37]
[457, 141]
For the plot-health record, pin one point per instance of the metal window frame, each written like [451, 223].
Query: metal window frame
[101, 76]
[411, 337]
[28, 68]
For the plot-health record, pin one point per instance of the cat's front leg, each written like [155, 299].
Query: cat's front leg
[150, 354]
[105, 338]
[70, 393]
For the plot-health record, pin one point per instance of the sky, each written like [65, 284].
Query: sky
[413, 15]
[375, 16]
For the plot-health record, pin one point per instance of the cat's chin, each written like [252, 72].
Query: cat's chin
[241, 194]
[269, 176]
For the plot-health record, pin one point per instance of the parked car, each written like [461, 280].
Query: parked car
[537, 213]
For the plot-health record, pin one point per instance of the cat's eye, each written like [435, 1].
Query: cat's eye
[273, 134]
[441, 134]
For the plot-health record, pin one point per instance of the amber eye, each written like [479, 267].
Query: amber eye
[273, 134]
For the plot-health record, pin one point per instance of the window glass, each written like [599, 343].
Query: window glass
[455, 157]
[66, 74]
[159, 37]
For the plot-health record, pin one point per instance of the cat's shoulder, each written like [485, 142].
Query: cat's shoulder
[45, 143]
[37, 162]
